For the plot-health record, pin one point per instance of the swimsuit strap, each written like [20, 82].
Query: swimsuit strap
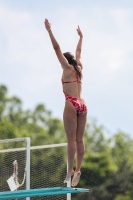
[78, 79]
[63, 82]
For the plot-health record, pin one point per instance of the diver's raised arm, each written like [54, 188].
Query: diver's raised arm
[55, 44]
[79, 47]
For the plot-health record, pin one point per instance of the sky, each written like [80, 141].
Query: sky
[30, 69]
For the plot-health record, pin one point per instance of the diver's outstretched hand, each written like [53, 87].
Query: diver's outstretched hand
[79, 32]
[47, 25]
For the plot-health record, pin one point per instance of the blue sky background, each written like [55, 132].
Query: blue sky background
[30, 69]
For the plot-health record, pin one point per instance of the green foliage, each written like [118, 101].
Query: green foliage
[123, 197]
[7, 129]
[107, 168]
[122, 148]
[98, 163]
[37, 124]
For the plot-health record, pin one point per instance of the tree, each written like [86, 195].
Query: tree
[107, 168]
[122, 148]
[37, 124]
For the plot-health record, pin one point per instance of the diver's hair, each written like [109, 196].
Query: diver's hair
[73, 62]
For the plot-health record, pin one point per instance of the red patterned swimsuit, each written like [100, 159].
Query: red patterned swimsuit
[78, 103]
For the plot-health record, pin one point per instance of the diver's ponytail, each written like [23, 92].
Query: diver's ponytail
[73, 62]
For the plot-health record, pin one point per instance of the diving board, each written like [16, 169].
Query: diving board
[40, 192]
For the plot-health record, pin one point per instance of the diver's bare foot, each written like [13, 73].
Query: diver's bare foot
[68, 176]
[76, 178]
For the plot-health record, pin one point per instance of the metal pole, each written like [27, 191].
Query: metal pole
[28, 165]
[68, 185]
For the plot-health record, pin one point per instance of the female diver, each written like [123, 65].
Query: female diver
[75, 110]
